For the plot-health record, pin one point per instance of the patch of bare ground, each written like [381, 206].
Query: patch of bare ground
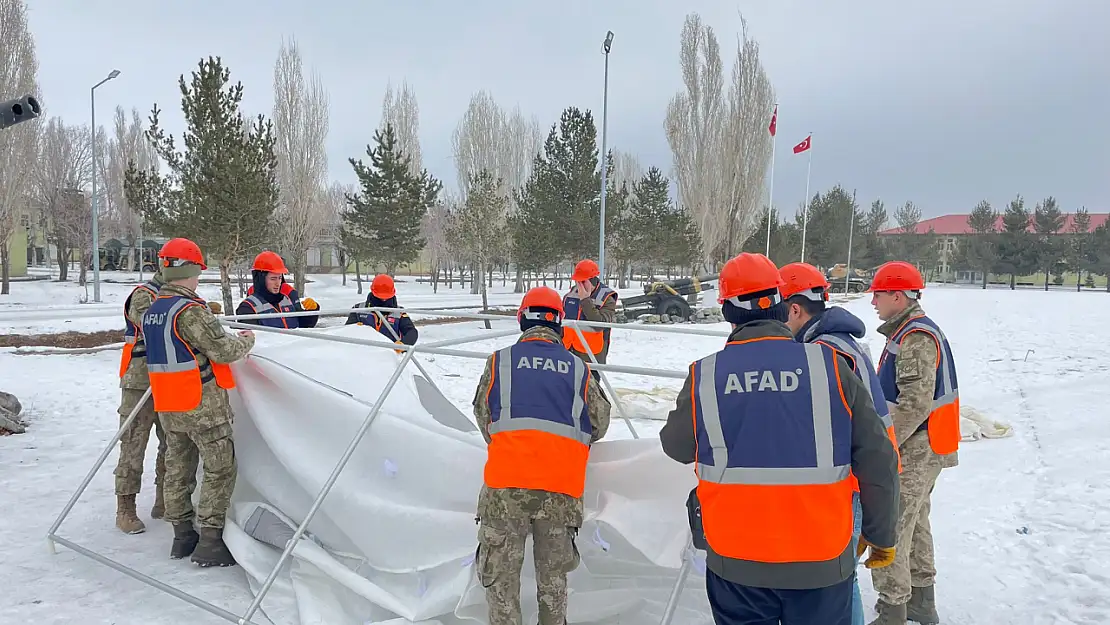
[65, 340]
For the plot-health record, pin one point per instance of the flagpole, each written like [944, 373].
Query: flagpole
[771, 193]
[805, 214]
[851, 230]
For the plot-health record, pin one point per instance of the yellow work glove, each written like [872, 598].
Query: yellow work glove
[399, 351]
[878, 558]
[216, 308]
[309, 304]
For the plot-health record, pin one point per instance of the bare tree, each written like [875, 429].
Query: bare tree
[434, 230]
[301, 131]
[59, 181]
[336, 205]
[719, 157]
[626, 169]
[400, 109]
[127, 145]
[19, 144]
[477, 228]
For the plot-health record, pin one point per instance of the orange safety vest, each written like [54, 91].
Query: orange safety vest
[176, 377]
[133, 346]
[943, 423]
[540, 431]
[773, 451]
[596, 338]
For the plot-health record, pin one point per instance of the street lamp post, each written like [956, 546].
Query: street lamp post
[606, 45]
[95, 208]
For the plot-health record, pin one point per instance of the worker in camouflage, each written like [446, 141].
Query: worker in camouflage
[202, 434]
[912, 362]
[133, 443]
[508, 515]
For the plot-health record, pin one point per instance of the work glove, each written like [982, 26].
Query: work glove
[399, 351]
[878, 558]
[216, 308]
[309, 304]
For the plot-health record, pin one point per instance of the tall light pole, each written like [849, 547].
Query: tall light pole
[608, 43]
[95, 208]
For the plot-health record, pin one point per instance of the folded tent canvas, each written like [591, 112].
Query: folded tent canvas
[395, 539]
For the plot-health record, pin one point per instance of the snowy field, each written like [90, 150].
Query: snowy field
[1020, 525]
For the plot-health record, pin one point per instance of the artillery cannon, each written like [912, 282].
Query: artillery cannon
[676, 298]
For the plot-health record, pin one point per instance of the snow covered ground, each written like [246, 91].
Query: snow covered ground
[1020, 526]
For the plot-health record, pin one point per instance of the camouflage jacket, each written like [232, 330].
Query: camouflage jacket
[136, 376]
[915, 372]
[607, 313]
[198, 327]
[518, 503]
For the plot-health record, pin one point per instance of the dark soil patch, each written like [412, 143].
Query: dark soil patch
[67, 340]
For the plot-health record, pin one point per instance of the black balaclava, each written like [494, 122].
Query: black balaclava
[373, 301]
[739, 316]
[554, 323]
[259, 279]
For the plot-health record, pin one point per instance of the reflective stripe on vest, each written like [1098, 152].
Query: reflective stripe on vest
[539, 430]
[262, 307]
[943, 422]
[596, 338]
[133, 346]
[773, 452]
[176, 378]
[865, 371]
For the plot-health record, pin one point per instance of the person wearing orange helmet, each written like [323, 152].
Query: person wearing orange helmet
[395, 326]
[918, 376]
[806, 292]
[133, 442]
[539, 412]
[589, 300]
[188, 357]
[270, 293]
[775, 429]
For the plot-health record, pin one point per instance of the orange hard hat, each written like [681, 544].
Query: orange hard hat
[805, 280]
[897, 275]
[269, 261]
[182, 249]
[584, 270]
[541, 297]
[746, 275]
[383, 287]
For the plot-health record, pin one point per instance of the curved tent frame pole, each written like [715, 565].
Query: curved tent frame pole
[443, 347]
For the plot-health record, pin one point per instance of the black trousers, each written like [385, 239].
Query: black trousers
[736, 604]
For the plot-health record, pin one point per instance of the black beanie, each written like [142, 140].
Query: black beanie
[739, 316]
[553, 323]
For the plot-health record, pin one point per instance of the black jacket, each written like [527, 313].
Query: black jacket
[259, 288]
[409, 333]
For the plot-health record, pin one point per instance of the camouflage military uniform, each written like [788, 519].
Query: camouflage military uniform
[606, 314]
[508, 515]
[133, 443]
[204, 433]
[915, 372]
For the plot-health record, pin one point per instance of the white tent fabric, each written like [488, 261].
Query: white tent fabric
[394, 541]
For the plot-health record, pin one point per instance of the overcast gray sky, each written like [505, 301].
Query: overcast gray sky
[943, 102]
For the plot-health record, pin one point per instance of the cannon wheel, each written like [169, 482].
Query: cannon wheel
[674, 306]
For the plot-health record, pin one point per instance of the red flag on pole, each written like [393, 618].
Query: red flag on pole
[774, 121]
[803, 146]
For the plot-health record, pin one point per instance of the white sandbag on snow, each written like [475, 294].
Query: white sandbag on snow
[395, 538]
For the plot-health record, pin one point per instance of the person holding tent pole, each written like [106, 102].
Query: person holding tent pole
[397, 327]
[539, 412]
[270, 293]
[776, 430]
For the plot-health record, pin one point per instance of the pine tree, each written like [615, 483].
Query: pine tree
[1047, 221]
[476, 230]
[1080, 242]
[871, 249]
[1016, 246]
[383, 224]
[980, 250]
[1099, 254]
[221, 190]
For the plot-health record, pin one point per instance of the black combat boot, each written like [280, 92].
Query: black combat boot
[212, 551]
[922, 607]
[184, 540]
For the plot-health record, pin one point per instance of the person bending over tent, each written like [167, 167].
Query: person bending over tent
[397, 327]
[270, 293]
[539, 413]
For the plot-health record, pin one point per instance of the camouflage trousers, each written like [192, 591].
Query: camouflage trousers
[501, 557]
[913, 563]
[214, 449]
[133, 444]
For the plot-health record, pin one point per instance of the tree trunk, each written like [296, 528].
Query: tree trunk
[489, 271]
[984, 280]
[342, 265]
[1079, 281]
[358, 275]
[1013, 281]
[63, 263]
[1046, 270]
[241, 281]
[83, 274]
[485, 298]
[300, 267]
[519, 286]
[225, 286]
[435, 279]
[5, 270]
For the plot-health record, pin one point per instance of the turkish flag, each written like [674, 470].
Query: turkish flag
[774, 121]
[803, 146]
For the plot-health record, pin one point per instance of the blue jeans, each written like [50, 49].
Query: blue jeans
[857, 527]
